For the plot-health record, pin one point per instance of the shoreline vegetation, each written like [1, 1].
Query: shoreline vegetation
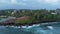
[29, 17]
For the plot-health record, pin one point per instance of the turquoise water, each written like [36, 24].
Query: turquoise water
[2, 19]
[39, 29]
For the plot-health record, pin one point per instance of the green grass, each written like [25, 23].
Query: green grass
[23, 21]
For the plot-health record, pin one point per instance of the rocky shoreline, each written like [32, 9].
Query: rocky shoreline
[26, 24]
[30, 26]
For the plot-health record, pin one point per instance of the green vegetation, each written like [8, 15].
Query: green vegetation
[23, 21]
[36, 15]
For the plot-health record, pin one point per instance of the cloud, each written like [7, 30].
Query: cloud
[52, 2]
[18, 3]
[30, 3]
[25, 2]
[4, 1]
[12, 2]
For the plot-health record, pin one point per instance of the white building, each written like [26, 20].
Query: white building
[13, 12]
[53, 13]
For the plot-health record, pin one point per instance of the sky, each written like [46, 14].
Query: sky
[29, 4]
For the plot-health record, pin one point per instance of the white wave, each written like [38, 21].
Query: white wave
[36, 25]
[24, 26]
[44, 23]
[29, 27]
[7, 26]
[15, 27]
[12, 26]
[18, 27]
[50, 27]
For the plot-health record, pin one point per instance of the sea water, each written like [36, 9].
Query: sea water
[44, 28]
[34, 29]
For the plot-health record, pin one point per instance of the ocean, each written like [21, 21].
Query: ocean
[53, 28]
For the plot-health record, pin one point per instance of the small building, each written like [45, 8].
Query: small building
[53, 13]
